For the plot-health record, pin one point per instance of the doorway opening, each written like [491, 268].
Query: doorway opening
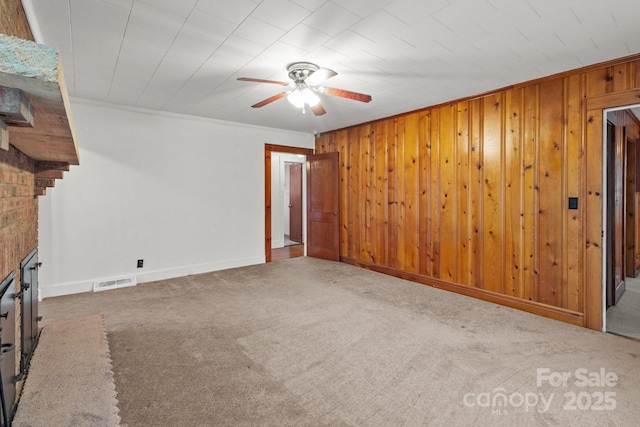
[287, 205]
[621, 211]
[285, 201]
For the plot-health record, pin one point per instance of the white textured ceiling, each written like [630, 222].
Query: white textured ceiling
[184, 56]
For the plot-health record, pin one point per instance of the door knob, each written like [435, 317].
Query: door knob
[335, 214]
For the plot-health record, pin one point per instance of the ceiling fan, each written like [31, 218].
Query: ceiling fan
[305, 83]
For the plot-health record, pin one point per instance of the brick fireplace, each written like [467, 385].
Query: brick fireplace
[36, 146]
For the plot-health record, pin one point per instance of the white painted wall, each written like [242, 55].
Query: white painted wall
[183, 193]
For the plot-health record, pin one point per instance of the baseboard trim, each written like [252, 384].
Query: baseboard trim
[556, 313]
[149, 276]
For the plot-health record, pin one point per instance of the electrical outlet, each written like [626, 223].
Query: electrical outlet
[140, 263]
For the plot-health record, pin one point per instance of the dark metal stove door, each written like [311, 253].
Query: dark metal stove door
[29, 307]
[7, 346]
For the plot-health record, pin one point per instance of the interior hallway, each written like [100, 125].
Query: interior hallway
[292, 251]
[624, 318]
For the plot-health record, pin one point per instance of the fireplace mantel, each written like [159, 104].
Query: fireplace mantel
[36, 71]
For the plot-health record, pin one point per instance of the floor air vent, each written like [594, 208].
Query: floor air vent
[114, 283]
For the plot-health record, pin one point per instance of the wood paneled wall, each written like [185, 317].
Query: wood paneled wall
[472, 195]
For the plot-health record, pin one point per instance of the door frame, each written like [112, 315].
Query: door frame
[268, 149]
[616, 227]
[605, 199]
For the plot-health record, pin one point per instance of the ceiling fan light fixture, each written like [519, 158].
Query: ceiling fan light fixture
[306, 85]
[296, 98]
[310, 97]
[300, 97]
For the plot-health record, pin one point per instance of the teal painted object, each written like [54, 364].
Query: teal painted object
[28, 59]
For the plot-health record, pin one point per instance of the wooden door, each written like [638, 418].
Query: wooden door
[323, 206]
[630, 208]
[295, 202]
[636, 202]
[615, 214]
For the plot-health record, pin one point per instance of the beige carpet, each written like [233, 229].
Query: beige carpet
[70, 382]
[304, 342]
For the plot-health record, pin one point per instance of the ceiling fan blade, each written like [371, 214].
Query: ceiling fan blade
[270, 100]
[347, 94]
[319, 76]
[318, 109]
[273, 82]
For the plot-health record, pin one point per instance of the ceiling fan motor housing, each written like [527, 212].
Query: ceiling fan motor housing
[299, 71]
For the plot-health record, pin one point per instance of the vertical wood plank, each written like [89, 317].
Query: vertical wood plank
[425, 189]
[492, 232]
[400, 193]
[530, 193]
[574, 159]
[621, 76]
[635, 72]
[354, 192]
[448, 175]
[462, 197]
[345, 195]
[475, 194]
[411, 207]
[435, 190]
[552, 204]
[598, 81]
[392, 155]
[329, 145]
[513, 235]
[361, 201]
[382, 206]
[366, 193]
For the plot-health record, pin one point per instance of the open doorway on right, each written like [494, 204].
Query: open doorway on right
[622, 289]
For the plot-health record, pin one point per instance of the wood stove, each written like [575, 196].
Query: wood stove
[28, 296]
[7, 348]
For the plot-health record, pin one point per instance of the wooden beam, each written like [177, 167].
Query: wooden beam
[46, 171]
[15, 108]
[44, 182]
[4, 136]
[36, 70]
[50, 174]
[46, 166]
